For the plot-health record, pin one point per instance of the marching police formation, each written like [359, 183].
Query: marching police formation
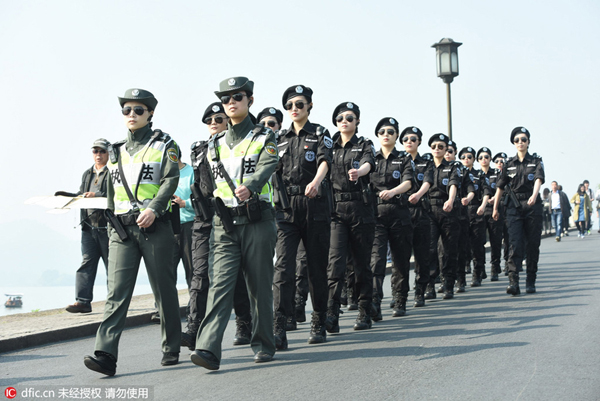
[283, 213]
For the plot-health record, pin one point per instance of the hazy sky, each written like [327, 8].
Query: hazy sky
[63, 64]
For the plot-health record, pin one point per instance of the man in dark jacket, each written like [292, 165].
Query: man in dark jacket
[94, 237]
[565, 205]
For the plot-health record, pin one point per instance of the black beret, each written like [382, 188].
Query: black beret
[271, 111]
[345, 106]
[519, 130]
[484, 150]
[411, 130]
[468, 149]
[213, 108]
[297, 90]
[387, 122]
[427, 156]
[438, 138]
[139, 95]
[502, 155]
[453, 144]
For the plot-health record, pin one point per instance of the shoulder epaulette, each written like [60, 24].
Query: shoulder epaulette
[198, 144]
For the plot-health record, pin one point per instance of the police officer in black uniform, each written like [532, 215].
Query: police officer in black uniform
[443, 192]
[419, 207]
[390, 180]
[494, 228]
[476, 209]
[353, 220]
[500, 161]
[302, 214]
[202, 192]
[525, 174]
[273, 118]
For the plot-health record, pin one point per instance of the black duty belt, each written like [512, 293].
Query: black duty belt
[522, 195]
[393, 201]
[295, 190]
[346, 196]
[437, 202]
[241, 210]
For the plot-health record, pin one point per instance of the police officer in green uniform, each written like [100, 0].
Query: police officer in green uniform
[145, 175]
[242, 159]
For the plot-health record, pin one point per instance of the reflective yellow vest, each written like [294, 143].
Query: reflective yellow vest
[248, 150]
[145, 166]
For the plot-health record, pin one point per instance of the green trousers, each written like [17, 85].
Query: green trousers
[123, 265]
[251, 248]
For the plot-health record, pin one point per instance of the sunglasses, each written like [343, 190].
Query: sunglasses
[410, 138]
[299, 105]
[139, 110]
[463, 157]
[497, 161]
[439, 146]
[237, 97]
[348, 118]
[520, 139]
[209, 120]
[388, 131]
[450, 150]
[96, 151]
[483, 157]
[270, 123]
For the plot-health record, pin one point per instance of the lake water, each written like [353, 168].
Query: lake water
[44, 298]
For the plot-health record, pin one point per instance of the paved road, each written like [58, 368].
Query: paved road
[482, 345]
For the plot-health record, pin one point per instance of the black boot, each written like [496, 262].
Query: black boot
[513, 286]
[400, 308]
[352, 302]
[449, 290]
[440, 289]
[332, 322]
[281, 342]
[363, 320]
[101, 362]
[461, 284]
[188, 339]
[530, 283]
[430, 291]
[376, 309]
[476, 279]
[494, 273]
[318, 334]
[243, 332]
[344, 295]
[419, 296]
[300, 309]
[393, 302]
[290, 324]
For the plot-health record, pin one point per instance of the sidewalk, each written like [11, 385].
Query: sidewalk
[38, 328]
[32, 329]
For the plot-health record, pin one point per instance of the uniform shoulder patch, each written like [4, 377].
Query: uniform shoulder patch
[328, 142]
[172, 154]
[271, 148]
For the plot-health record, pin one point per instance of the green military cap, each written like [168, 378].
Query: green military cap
[139, 95]
[235, 84]
[101, 143]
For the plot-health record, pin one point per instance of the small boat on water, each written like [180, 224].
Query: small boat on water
[13, 301]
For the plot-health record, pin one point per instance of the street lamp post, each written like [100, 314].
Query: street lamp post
[446, 52]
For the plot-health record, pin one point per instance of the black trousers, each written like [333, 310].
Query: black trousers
[302, 288]
[308, 222]
[94, 245]
[464, 244]
[446, 226]
[477, 237]
[183, 251]
[393, 225]
[525, 233]
[421, 223]
[352, 231]
[199, 286]
[495, 231]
